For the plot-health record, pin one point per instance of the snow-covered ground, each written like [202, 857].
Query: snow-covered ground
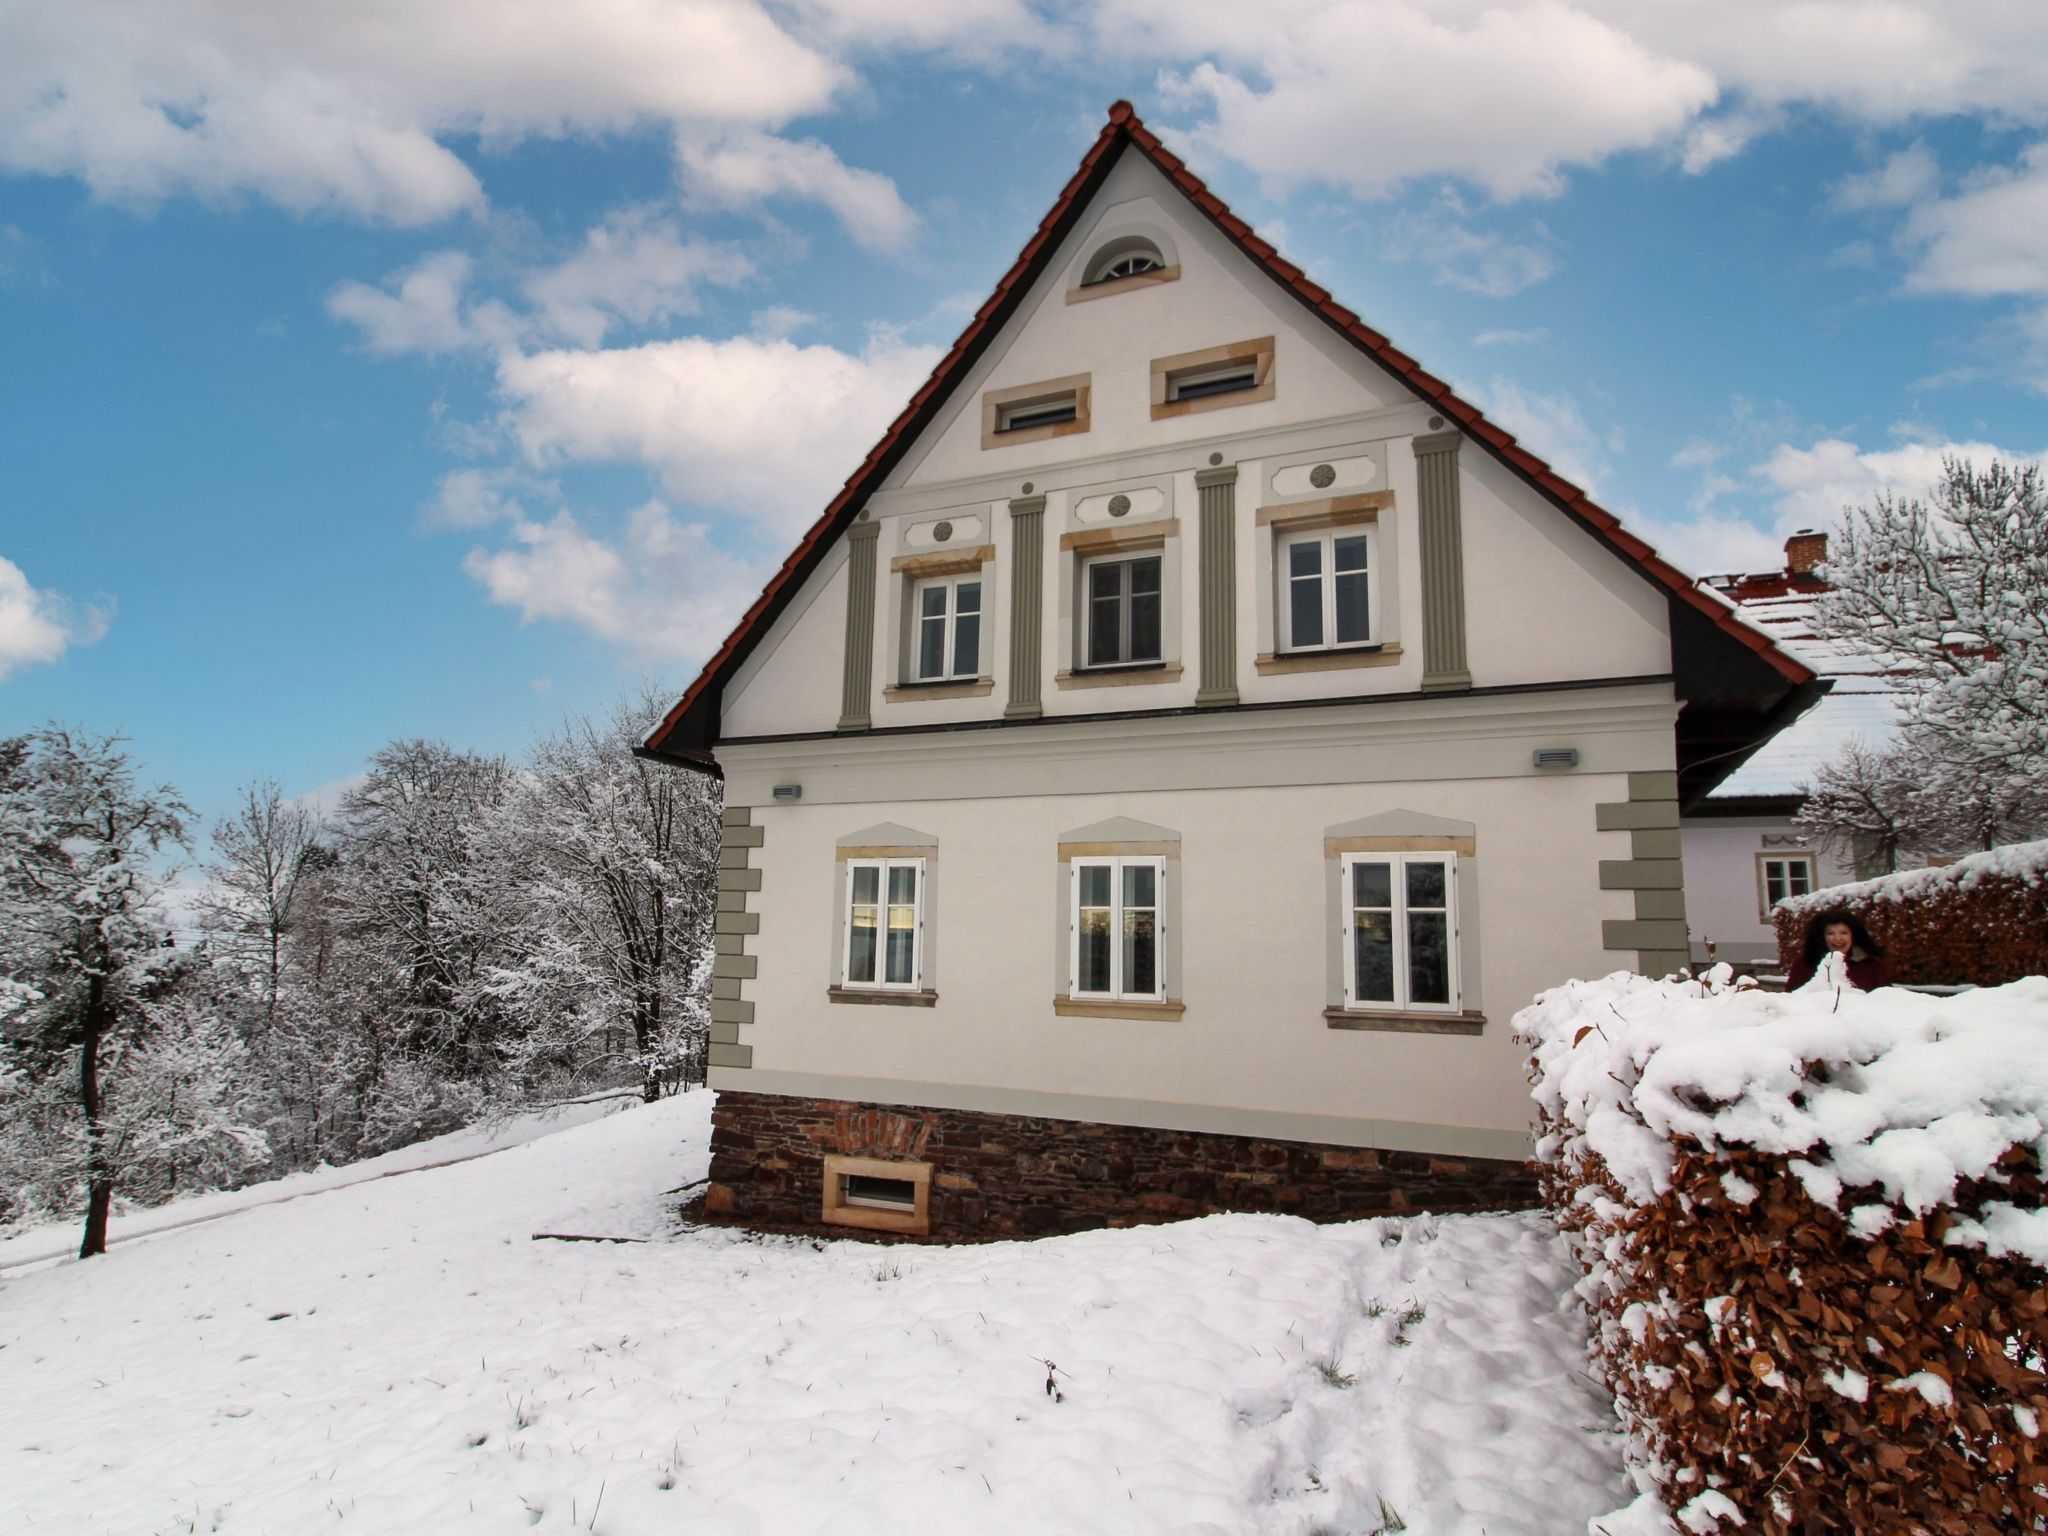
[398, 1355]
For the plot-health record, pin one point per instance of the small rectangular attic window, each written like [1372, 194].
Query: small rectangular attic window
[1202, 383]
[1026, 414]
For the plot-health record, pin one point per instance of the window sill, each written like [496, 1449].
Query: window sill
[1136, 280]
[952, 688]
[1417, 1023]
[1116, 1008]
[1270, 663]
[883, 996]
[1120, 677]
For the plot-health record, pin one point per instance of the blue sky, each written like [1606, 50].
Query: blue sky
[356, 361]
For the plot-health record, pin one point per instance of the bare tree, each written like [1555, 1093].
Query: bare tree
[261, 857]
[1865, 806]
[81, 919]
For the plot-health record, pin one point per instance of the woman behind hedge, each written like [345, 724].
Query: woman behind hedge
[1839, 953]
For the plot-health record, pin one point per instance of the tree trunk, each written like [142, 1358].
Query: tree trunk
[99, 1198]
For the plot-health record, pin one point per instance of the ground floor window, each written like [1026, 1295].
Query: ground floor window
[884, 922]
[1400, 935]
[1116, 928]
[1780, 875]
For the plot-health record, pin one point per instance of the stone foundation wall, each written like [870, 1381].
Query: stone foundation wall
[996, 1176]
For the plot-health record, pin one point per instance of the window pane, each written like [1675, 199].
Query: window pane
[1348, 554]
[1145, 574]
[1305, 558]
[867, 884]
[1094, 885]
[903, 883]
[1372, 939]
[1774, 883]
[1105, 643]
[902, 936]
[1105, 580]
[1144, 628]
[1800, 875]
[1141, 885]
[931, 648]
[1352, 626]
[1094, 958]
[1305, 612]
[932, 602]
[967, 597]
[1372, 885]
[1429, 957]
[967, 645]
[1425, 885]
[1141, 952]
[860, 949]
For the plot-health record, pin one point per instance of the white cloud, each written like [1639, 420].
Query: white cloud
[1460, 256]
[1910, 176]
[634, 267]
[38, 626]
[1552, 426]
[1533, 337]
[1991, 238]
[662, 591]
[743, 170]
[418, 310]
[344, 107]
[981, 30]
[1711, 542]
[763, 427]
[1812, 485]
[477, 498]
[1507, 97]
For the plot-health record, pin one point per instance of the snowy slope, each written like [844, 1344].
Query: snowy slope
[400, 1356]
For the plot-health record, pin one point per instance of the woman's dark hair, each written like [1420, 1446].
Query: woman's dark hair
[1859, 936]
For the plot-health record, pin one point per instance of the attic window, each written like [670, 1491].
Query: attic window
[1214, 378]
[1027, 413]
[1124, 258]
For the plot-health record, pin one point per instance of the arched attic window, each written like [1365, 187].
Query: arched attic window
[1131, 256]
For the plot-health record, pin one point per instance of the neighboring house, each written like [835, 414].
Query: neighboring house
[1742, 852]
[1159, 775]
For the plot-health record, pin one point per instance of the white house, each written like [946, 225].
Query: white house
[1743, 852]
[1159, 774]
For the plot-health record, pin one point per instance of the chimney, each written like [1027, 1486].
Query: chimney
[1805, 550]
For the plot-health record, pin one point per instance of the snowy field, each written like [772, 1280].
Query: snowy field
[398, 1355]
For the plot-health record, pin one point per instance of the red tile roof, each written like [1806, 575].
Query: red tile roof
[1126, 129]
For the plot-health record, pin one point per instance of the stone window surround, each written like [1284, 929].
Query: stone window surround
[887, 841]
[1120, 837]
[1403, 831]
[836, 1210]
[905, 572]
[1046, 390]
[1159, 536]
[1257, 353]
[1372, 509]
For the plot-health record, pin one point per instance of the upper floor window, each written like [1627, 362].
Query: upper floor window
[1121, 620]
[947, 643]
[1782, 875]
[1326, 597]
[1027, 413]
[1128, 257]
[1239, 373]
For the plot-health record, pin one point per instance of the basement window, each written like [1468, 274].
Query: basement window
[877, 1196]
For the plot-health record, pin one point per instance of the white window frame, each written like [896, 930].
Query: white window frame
[1083, 661]
[1283, 597]
[1764, 861]
[1179, 385]
[1025, 415]
[883, 904]
[950, 623]
[1116, 865]
[1347, 909]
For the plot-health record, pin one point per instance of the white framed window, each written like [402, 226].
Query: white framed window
[1780, 875]
[946, 639]
[1117, 936]
[1121, 610]
[1329, 589]
[1400, 931]
[1202, 383]
[1131, 256]
[1052, 411]
[884, 923]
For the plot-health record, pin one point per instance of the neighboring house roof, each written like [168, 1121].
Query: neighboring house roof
[689, 729]
[1865, 701]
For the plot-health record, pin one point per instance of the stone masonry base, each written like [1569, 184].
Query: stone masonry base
[996, 1176]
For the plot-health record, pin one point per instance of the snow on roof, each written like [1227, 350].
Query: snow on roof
[1866, 702]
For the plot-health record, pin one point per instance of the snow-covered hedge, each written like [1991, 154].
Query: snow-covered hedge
[1982, 919]
[1814, 1240]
